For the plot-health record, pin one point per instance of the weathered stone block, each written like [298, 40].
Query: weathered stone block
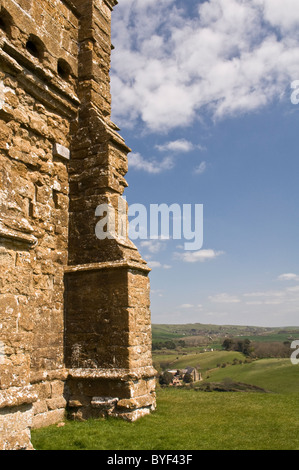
[49, 418]
[15, 424]
[61, 151]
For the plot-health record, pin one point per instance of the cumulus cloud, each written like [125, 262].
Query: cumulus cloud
[198, 256]
[153, 246]
[200, 169]
[180, 145]
[274, 297]
[288, 277]
[270, 293]
[283, 14]
[224, 299]
[170, 67]
[157, 264]
[293, 289]
[158, 165]
[138, 162]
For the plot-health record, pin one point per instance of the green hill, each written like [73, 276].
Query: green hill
[275, 375]
[202, 361]
[216, 332]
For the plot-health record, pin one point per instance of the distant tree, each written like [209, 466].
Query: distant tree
[272, 349]
[169, 344]
[244, 346]
[163, 345]
[166, 378]
[228, 344]
[188, 379]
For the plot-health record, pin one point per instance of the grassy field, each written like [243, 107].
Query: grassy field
[192, 419]
[187, 419]
[276, 375]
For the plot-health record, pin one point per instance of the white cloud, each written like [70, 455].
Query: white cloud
[185, 306]
[224, 299]
[181, 145]
[154, 264]
[271, 293]
[200, 169]
[230, 57]
[293, 289]
[282, 14]
[158, 292]
[274, 297]
[137, 162]
[288, 277]
[157, 264]
[274, 302]
[198, 256]
[155, 166]
[152, 246]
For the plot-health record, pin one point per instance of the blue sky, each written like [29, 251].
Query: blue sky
[202, 94]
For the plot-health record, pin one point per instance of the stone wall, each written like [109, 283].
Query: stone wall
[74, 310]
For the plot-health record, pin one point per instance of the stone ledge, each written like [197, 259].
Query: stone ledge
[123, 375]
[16, 236]
[106, 265]
[101, 407]
[111, 3]
[136, 403]
[133, 415]
[48, 375]
[103, 402]
[16, 396]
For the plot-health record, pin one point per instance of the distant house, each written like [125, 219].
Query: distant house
[179, 375]
[196, 376]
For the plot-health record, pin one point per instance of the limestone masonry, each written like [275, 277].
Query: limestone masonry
[75, 327]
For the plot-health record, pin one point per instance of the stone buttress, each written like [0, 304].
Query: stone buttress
[107, 322]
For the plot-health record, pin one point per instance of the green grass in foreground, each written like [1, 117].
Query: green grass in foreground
[189, 420]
